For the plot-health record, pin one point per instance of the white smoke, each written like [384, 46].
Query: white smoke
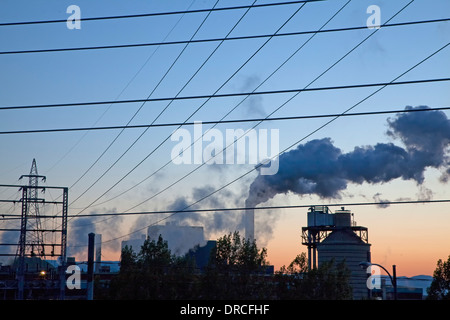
[318, 167]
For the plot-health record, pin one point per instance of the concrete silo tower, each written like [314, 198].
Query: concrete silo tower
[334, 236]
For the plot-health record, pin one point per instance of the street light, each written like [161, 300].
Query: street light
[393, 278]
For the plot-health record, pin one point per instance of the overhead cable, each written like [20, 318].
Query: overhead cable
[136, 45]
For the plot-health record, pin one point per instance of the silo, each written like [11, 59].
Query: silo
[345, 244]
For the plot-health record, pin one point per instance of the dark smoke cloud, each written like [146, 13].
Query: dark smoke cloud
[318, 167]
[381, 202]
[426, 136]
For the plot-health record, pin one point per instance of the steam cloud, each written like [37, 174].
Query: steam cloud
[80, 228]
[318, 167]
[215, 224]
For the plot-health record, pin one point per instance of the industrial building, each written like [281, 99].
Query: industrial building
[202, 254]
[180, 239]
[134, 243]
[335, 236]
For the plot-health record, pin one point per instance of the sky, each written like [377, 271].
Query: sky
[131, 170]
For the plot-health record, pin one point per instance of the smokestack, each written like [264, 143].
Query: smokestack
[98, 252]
[90, 273]
[249, 220]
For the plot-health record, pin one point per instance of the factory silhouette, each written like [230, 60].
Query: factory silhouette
[327, 236]
[314, 168]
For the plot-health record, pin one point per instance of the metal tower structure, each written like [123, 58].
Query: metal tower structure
[41, 236]
[336, 237]
[33, 240]
[321, 223]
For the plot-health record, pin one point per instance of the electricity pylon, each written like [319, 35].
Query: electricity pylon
[31, 241]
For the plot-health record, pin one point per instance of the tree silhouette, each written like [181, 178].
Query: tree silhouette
[235, 270]
[440, 286]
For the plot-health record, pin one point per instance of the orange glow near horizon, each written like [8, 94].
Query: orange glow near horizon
[412, 237]
[405, 264]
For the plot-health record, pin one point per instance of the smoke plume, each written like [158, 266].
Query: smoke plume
[320, 168]
[80, 228]
[217, 223]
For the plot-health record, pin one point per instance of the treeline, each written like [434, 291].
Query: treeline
[440, 286]
[236, 270]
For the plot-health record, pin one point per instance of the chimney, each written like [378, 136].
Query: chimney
[98, 252]
[249, 219]
[90, 273]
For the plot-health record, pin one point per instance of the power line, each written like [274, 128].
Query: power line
[212, 193]
[292, 145]
[224, 95]
[135, 114]
[336, 115]
[265, 208]
[155, 14]
[270, 114]
[337, 204]
[200, 107]
[173, 212]
[173, 124]
[286, 149]
[350, 204]
[126, 86]
[165, 108]
[216, 39]
[211, 54]
[232, 109]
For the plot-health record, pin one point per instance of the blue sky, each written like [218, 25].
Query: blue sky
[132, 73]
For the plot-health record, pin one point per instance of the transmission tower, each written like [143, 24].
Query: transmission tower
[33, 241]
[38, 239]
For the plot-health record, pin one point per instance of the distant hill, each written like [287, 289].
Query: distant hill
[419, 281]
